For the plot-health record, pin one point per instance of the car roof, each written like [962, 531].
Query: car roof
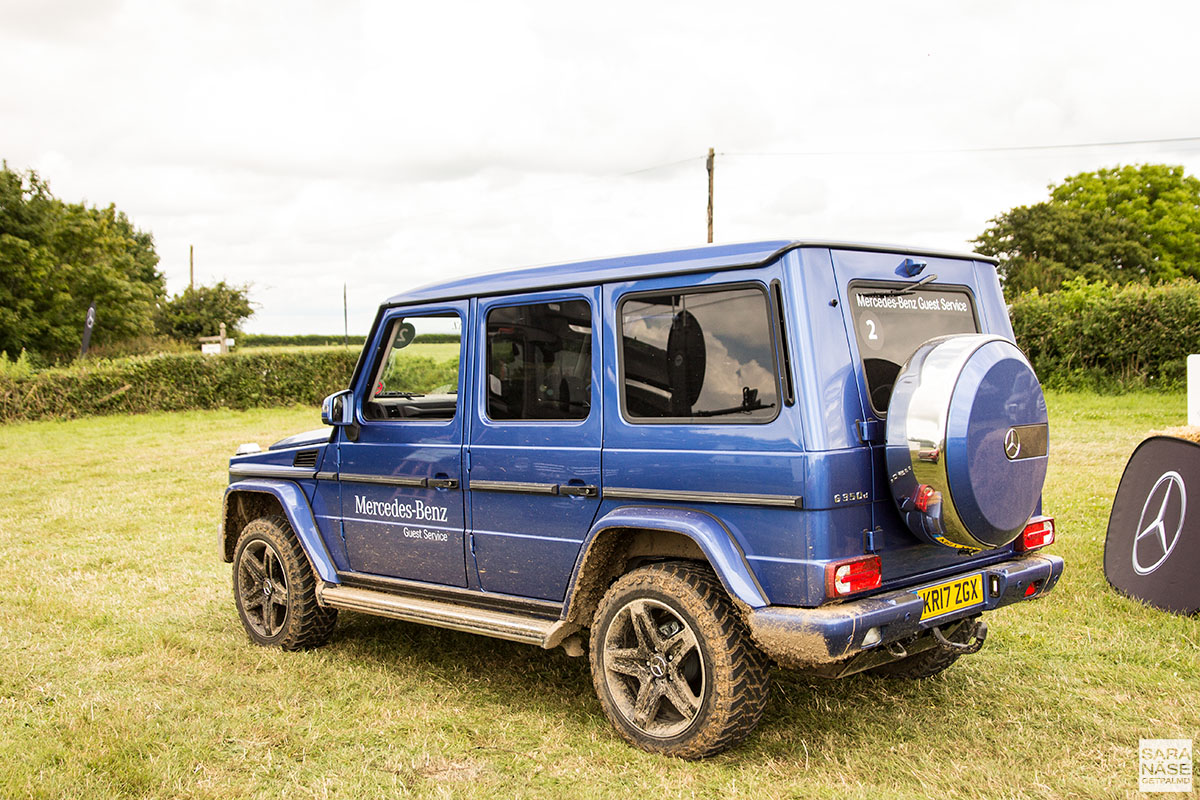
[705, 258]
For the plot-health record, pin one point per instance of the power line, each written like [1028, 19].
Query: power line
[393, 222]
[967, 150]
[660, 166]
[397, 222]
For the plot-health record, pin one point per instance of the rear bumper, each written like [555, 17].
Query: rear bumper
[812, 637]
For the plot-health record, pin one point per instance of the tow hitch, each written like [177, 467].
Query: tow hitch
[976, 633]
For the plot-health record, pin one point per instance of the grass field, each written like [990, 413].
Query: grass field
[124, 671]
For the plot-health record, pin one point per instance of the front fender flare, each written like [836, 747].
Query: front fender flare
[299, 514]
[709, 533]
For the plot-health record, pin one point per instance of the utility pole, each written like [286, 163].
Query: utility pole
[711, 159]
[345, 319]
[192, 253]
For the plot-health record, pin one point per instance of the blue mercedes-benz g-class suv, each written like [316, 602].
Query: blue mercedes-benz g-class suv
[690, 464]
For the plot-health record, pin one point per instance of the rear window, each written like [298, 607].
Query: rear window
[699, 356]
[890, 327]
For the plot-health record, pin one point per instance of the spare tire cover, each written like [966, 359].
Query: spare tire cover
[967, 439]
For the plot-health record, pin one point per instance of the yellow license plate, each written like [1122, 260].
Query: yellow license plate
[951, 596]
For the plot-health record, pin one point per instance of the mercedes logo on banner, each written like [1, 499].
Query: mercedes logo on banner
[1152, 550]
[1160, 524]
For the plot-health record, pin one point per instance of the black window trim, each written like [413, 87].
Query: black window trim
[692, 289]
[782, 357]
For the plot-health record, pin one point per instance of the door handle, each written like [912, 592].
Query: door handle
[577, 490]
[443, 483]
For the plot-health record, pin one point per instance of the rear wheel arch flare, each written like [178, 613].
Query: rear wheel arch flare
[622, 541]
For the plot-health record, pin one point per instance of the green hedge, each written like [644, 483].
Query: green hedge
[305, 340]
[317, 339]
[1089, 335]
[1105, 337]
[175, 382]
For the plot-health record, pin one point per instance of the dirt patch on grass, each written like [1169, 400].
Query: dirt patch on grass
[444, 771]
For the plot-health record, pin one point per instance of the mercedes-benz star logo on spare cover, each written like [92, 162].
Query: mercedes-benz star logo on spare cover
[1161, 523]
[1012, 444]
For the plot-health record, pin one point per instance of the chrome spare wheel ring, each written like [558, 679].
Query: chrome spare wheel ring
[653, 668]
[262, 587]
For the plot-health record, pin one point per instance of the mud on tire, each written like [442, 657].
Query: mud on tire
[275, 588]
[673, 664]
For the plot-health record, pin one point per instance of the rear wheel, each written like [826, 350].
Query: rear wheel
[921, 665]
[672, 663]
[275, 590]
[927, 663]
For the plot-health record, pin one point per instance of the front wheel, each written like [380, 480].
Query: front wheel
[275, 589]
[673, 664]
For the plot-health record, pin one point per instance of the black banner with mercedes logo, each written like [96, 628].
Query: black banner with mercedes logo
[89, 322]
[1152, 551]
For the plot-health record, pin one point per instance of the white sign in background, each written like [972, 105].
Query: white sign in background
[1193, 379]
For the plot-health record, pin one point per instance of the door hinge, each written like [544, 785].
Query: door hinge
[870, 431]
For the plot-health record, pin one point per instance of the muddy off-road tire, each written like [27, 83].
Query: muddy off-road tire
[673, 665]
[275, 589]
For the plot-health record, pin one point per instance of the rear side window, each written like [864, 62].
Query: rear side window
[891, 325]
[699, 356]
[539, 361]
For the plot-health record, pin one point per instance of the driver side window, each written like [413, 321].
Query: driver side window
[416, 375]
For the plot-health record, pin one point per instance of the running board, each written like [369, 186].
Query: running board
[545, 633]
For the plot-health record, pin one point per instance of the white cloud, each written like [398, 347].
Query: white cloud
[384, 145]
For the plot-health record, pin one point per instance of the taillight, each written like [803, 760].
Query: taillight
[926, 496]
[1038, 532]
[852, 575]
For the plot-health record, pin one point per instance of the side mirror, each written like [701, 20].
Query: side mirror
[338, 408]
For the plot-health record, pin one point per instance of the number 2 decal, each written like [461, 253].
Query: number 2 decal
[871, 325]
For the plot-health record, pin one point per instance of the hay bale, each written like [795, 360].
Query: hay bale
[1189, 432]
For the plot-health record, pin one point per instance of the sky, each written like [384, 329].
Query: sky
[303, 147]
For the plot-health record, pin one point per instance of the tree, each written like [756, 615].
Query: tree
[200, 311]
[1043, 245]
[58, 258]
[1132, 223]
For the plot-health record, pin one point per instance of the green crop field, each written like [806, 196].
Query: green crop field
[124, 671]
